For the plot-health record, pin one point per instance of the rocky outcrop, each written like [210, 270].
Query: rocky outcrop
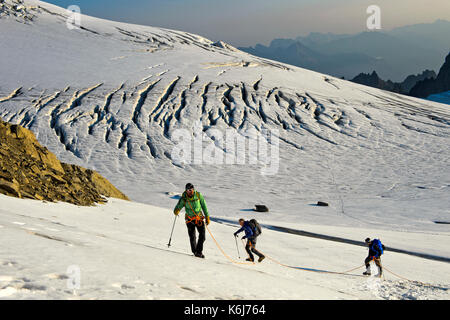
[224, 45]
[17, 9]
[29, 170]
[373, 80]
[428, 87]
[412, 80]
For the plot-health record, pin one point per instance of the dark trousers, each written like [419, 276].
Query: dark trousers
[196, 246]
[377, 262]
[251, 247]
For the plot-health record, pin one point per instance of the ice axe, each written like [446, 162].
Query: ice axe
[173, 227]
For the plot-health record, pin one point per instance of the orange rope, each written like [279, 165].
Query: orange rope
[223, 252]
[409, 280]
[398, 276]
[291, 267]
[301, 268]
[348, 271]
[198, 220]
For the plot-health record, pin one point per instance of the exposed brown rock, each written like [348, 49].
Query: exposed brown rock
[29, 170]
[10, 188]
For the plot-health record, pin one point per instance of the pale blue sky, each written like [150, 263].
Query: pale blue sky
[247, 22]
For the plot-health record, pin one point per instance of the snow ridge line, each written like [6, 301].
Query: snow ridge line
[76, 99]
[194, 81]
[109, 97]
[163, 98]
[12, 95]
[55, 116]
[41, 104]
[101, 112]
[182, 104]
[142, 96]
[204, 97]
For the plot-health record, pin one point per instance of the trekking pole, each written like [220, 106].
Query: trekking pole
[173, 227]
[237, 247]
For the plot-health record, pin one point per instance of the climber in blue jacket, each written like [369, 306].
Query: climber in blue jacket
[245, 226]
[250, 235]
[376, 249]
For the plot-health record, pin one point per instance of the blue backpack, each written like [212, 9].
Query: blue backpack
[378, 246]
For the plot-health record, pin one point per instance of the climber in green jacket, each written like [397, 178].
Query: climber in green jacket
[194, 205]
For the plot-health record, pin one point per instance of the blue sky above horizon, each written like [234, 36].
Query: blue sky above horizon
[247, 22]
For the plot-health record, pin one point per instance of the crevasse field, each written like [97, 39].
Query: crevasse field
[117, 98]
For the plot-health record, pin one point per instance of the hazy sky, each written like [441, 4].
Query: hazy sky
[247, 22]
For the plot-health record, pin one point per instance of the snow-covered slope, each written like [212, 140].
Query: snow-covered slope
[110, 96]
[117, 251]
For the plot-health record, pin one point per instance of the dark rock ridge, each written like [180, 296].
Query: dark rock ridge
[373, 80]
[431, 86]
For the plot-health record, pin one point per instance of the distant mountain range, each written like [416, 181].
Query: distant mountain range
[394, 54]
[431, 86]
[404, 87]
[426, 85]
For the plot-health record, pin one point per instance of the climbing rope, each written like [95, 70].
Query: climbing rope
[398, 276]
[272, 259]
[198, 220]
[313, 270]
[223, 252]
[409, 280]
[346, 272]
[308, 269]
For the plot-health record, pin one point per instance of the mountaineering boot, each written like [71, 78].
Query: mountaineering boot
[367, 272]
[261, 258]
[200, 255]
[249, 259]
[380, 273]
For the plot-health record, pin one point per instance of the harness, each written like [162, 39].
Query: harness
[198, 218]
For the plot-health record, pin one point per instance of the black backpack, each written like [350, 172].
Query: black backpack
[256, 228]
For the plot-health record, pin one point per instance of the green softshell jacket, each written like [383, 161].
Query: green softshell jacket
[197, 203]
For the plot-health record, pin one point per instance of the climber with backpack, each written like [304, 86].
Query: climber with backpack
[252, 230]
[194, 204]
[376, 249]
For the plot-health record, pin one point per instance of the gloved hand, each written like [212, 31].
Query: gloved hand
[207, 221]
[235, 234]
[176, 211]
